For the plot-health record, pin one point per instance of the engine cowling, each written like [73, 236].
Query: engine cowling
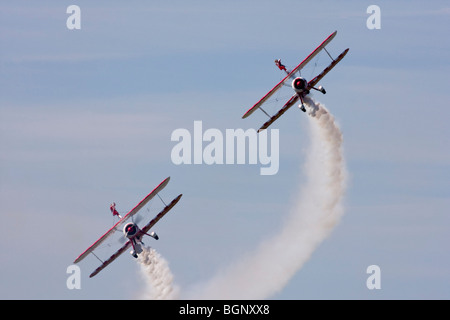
[299, 84]
[130, 230]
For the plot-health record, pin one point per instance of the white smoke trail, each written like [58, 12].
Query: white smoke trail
[266, 271]
[157, 275]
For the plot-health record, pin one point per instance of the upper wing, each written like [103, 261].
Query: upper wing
[297, 68]
[149, 197]
[132, 212]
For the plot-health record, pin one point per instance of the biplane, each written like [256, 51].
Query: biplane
[301, 86]
[132, 233]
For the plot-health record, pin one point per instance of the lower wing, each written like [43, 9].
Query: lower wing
[314, 81]
[285, 108]
[111, 259]
[161, 214]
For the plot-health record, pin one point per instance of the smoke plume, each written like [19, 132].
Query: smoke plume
[265, 271]
[157, 275]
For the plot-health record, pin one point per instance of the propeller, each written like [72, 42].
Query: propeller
[137, 219]
[122, 239]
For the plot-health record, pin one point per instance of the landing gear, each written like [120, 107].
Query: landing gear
[301, 106]
[321, 89]
[153, 235]
[137, 246]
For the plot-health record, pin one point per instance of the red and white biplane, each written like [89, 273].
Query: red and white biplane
[301, 86]
[132, 233]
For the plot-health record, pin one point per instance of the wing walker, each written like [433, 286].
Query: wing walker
[301, 86]
[132, 233]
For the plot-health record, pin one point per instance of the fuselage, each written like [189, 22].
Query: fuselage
[300, 85]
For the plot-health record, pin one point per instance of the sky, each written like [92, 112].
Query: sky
[86, 118]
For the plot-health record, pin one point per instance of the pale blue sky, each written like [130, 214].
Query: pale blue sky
[86, 118]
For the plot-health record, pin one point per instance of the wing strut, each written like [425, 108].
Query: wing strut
[328, 53]
[285, 108]
[265, 112]
[97, 257]
[314, 81]
[161, 200]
